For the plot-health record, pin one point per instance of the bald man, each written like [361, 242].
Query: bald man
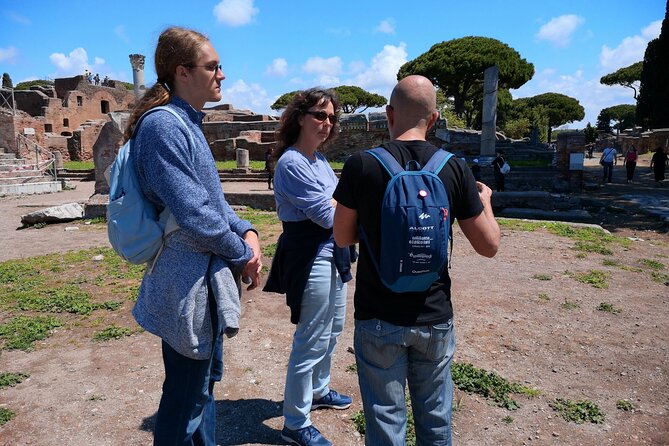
[406, 337]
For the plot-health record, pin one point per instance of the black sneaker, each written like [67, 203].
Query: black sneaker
[307, 436]
[332, 400]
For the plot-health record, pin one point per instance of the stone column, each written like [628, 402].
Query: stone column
[137, 62]
[242, 161]
[489, 121]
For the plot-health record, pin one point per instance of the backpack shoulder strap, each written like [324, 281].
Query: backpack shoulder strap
[387, 160]
[191, 141]
[437, 161]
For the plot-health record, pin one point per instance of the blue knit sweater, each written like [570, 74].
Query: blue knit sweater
[206, 253]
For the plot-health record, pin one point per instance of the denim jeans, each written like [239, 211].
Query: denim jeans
[388, 356]
[322, 315]
[187, 411]
[607, 171]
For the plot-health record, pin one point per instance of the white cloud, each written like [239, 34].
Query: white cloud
[592, 95]
[18, 18]
[652, 31]
[278, 67]
[235, 12]
[559, 30]
[386, 26]
[381, 75]
[8, 54]
[74, 63]
[120, 32]
[630, 50]
[247, 97]
[318, 65]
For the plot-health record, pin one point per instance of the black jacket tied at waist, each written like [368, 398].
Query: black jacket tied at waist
[295, 253]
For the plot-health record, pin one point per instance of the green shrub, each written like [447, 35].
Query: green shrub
[470, 379]
[9, 379]
[578, 411]
[21, 331]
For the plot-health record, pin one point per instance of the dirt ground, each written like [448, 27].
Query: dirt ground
[82, 392]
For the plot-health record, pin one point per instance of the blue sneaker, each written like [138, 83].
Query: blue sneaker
[307, 436]
[332, 400]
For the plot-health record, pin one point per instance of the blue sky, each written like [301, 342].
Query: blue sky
[270, 47]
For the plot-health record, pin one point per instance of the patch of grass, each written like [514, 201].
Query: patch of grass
[570, 305]
[5, 415]
[358, 419]
[592, 247]
[98, 221]
[659, 277]
[112, 331]
[21, 331]
[652, 264]
[624, 405]
[97, 398]
[518, 225]
[470, 379]
[507, 419]
[79, 165]
[9, 379]
[608, 308]
[64, 299]
[14, 271]
[578, 411]
[581, 255]
[616, 264]
[39, 225]
[352, 368]
[269, 250]
[542, 277]
[259, 218]
[544, 296]
[594, 278]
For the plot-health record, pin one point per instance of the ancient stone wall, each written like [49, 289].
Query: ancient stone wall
[225, 130]
[30, 101]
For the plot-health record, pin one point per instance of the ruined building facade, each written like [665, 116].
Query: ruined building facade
[65, 118]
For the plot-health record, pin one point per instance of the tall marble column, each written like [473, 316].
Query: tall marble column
[489, 121]
[137, 62]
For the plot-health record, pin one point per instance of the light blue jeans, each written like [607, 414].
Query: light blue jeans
[387, 356]
[322, 317]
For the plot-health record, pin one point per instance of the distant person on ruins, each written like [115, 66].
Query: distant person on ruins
[269, 167]
[497, 171]
[607, 160]
[630, 163]
[307, 266]
[659, 165]
[97, 79]
[189, 296]
[105, 81]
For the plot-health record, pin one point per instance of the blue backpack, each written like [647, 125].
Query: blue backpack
[134, 226]
[415, 224]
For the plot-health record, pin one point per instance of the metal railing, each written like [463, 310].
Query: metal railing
[37, 157]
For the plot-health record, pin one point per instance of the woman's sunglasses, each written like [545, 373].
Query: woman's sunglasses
[322, 116]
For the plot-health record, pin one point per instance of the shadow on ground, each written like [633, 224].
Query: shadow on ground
[240, 422]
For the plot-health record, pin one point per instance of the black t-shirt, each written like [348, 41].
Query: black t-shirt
[361, 187]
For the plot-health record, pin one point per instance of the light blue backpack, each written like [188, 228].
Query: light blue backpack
[135, 228]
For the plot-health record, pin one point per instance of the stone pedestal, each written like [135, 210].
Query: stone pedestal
[242, 156]
[570, 148]
[106, 147]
